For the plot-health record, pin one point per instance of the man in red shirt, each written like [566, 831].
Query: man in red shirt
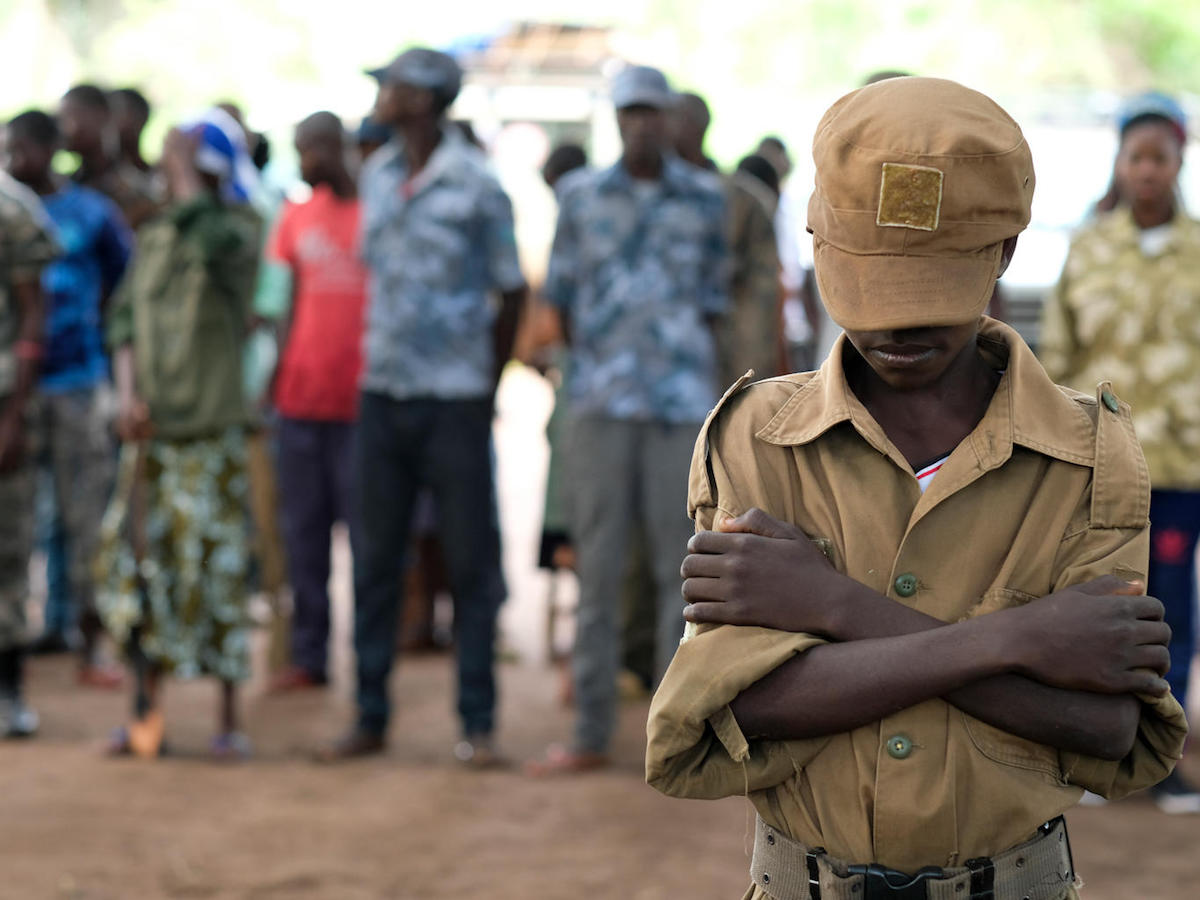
[315, 387]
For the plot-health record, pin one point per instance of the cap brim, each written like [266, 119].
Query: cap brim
[654, 100]
[879, 293]
[377, 74]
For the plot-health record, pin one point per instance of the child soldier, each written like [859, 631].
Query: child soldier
[930, 555]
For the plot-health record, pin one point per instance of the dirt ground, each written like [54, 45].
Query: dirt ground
[411, 825]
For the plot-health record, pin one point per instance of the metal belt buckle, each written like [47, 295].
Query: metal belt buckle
[882, 883]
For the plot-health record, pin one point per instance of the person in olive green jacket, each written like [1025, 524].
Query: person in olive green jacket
[176, 331]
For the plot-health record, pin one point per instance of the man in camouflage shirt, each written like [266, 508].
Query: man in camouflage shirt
[637, 272]
[85, 118]
[438, 240]
[751, 336]
[26, 246]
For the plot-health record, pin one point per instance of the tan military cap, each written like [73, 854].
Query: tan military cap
[919, 182]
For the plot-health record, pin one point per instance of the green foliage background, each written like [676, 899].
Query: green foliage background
[765, 65]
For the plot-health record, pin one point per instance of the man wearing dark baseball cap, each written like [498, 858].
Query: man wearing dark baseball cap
[916, 631]
[438, 240]
[421, 67]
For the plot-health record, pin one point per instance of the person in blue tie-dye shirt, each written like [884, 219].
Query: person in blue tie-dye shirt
[439, 246]
[638, 272]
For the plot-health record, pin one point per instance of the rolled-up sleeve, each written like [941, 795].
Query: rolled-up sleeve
[695, 747]
[1162, 727]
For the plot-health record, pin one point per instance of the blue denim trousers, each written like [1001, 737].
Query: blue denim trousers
[1174, 530]
[400, 447]
[314, 491]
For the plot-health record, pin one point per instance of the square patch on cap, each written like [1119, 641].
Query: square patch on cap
[910, 197]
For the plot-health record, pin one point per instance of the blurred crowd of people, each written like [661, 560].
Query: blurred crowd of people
[167, 470]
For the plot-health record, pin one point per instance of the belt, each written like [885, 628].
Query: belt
[1039, 869]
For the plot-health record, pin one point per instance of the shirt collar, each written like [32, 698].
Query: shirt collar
[1027, 409]
[674, 178]
[445, 159]
[1120, 223]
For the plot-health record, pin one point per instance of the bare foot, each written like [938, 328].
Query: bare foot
[294, 678]
[566, 686]
[561, 761]
[105, 677]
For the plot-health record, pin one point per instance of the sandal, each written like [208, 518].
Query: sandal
[120, 744]
[231, 746]
[561, 761]
[478, 753]
[117, 743]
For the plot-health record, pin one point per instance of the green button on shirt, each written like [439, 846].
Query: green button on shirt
[899, 747]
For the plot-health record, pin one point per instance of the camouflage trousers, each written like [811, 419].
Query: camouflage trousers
[16, 543]
[72, 431]
[191, 608]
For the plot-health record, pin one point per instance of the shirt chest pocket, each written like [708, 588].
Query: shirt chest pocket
[683, 244]
[444, 228]
[996, 744]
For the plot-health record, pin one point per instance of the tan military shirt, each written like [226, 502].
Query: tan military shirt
[1049, 490]
[1120, 314]
[749, 336]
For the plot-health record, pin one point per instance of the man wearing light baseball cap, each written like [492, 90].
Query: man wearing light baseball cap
[438, 240]
[916, 633]
[638, 274]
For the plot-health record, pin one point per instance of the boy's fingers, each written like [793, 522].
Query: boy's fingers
[708, 613]
[701, 565]
[1154, 657]
[1150, 608]
[1130, 588]
[1111, 585]
[697, 589]
[711, 542]
[1155, 687]
[755, 521]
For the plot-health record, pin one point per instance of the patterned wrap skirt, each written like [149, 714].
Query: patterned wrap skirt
[193, 618]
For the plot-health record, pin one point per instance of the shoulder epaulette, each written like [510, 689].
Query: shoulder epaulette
[1120, 481]
[703, 491]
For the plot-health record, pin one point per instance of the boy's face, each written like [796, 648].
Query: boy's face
[82, 126]
[908, 359]
[28, 161]
[129, 122]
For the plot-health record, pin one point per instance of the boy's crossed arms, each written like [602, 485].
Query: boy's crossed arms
[1063, 670]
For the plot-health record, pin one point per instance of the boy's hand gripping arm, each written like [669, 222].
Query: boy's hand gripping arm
[1061, 671]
